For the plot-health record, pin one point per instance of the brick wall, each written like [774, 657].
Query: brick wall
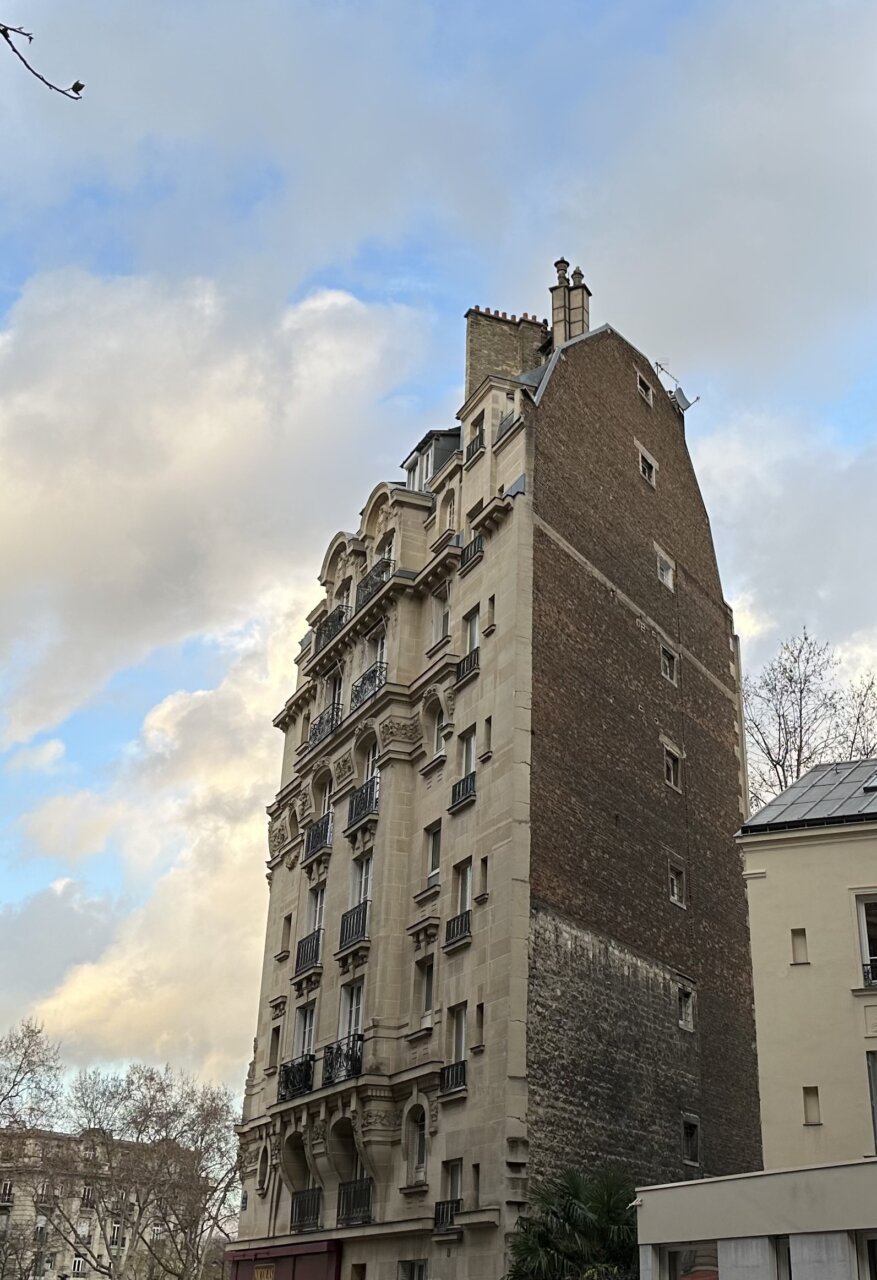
[502, 345]
[604, 822]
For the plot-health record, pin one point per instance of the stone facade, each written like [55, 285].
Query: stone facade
[487, 657]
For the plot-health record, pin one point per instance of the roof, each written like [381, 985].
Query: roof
[828, 795]
[531, 377]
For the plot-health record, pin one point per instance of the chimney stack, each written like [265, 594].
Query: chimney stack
[570, 305]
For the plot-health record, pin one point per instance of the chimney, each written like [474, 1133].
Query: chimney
[569, 304]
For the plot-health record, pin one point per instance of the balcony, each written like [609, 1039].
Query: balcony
[326, 722]
[318, 836]
[458, 928]
[354, 925]
[368, 684]
[463, 791]
[371, 584]
[475, 445]
[306, 1207]
[364, 801]
[295, 1078]
[468, 665]
[472, 551]
[445, 1214]
[308, 952]
[331, 625]
[453, 1077]
[354, 1202]
[869, 974]
[343, 1059]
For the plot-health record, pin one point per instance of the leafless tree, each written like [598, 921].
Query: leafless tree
[30, 1073]
[15, 37]
[798, 714]
[21, 1252]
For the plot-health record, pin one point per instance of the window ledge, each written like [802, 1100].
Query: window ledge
[457, 945]
[470, 564]
[485, 756]
[426, 895]
[414, 1189]
[270, 1071]
[438, 646]
[470, 462]
[476, 1048]
[422, 1033]
[798, 964]
[455, 1095]
[682, 1027]
[435, 763]
[481, 898]
[489, 629]
[444, 538]
[864, 991]
[671, 787]
[283, 954]
[461, 804]
[812, 1124]
[470, 675]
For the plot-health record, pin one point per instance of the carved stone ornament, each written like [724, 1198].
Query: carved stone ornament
[381, 522]
[343, 768]
[365, 728]
[278, 833]
[291, 860]
[396, 729]
[269, 876]
[449, 703]
[433, 1115]
[382, 1119]
[278, 1007]
[318, 1130]
[274, 1145]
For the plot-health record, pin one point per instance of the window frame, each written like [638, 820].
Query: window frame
[689, 1121]
[672, 768]
[646, 465]
[666, 568]
[685, 1007]
[677, 874]
[433, 853]
[645, 389]
[669, 665]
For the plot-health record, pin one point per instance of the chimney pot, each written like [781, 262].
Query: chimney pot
[504, 315]
[561, 266]
[577, 276]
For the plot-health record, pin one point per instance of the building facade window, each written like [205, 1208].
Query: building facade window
[668, 664]
[458, 1033]
[274, 1049]
[305, 1020]
[799, 946]
[415, 1270]
[438, 732]
[433, 854]
[672, 769]
[472, 631]
[441, 627]
[678, 888]
[467, 752]
[666, 569]
[643, 386]
[648, 468]
[812, 1111]
[685, 1008]
[426, 983]
[691, 1140]
[351, 1009]
[463, 886]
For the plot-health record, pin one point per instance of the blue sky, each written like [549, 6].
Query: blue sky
[232, 281]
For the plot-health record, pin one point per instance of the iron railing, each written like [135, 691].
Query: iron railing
[464, 789]
[354, 924]
[473, 548]
[458, 927]
[364, 800]
[295, 1077]
[371, 584]
[306, 1206]
[452, 1077]
[468, 664]
[475, 445]
[343, 1059]
[307, 953]
[445, 1212]
[326, 722]
[367, 684]
[318, 836]
[331, 625]
[354, 1202]
[869, 974]
[505, 423]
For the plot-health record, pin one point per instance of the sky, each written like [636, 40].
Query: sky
[232, 281]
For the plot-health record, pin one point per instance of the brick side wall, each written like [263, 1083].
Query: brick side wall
[497, 345]
[604, 822]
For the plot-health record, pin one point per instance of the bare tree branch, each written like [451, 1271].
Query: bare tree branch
[9, 33]
[30, 1071]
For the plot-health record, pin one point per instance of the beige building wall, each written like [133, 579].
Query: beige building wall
[816, 1018]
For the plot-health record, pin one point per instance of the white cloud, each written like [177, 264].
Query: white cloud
[43, 757]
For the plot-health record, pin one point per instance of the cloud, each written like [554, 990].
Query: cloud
[44, 757]
[179, 978]
[163, 469]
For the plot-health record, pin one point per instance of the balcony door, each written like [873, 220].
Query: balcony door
[333, 690]
[464, 886]
[326, 798]
[362, 880]
[472, 626]
[868, 932]
[379, 647]
[371, 762]
[317, 907]
[351, 1010]
[305, 1030]
[458, 1034]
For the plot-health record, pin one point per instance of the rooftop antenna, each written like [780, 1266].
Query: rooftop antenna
[677, 395]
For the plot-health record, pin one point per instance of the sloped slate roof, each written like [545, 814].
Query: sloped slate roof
[829, 795]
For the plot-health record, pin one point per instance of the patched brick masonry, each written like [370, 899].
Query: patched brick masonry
[604, 822]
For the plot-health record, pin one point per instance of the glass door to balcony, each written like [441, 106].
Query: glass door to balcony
[317, 907]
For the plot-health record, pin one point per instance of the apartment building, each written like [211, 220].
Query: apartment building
[507, 924]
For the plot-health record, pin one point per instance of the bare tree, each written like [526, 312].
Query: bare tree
[21, 1252]
[798, 715]
[30, 1073]
[14, 37]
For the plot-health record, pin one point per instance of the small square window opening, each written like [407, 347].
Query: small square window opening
[647, 468]
[672, 769]
[685, 1008]
[666, 571]
[644, 388]
[676, 880]
[691, 1140]
[668, 664]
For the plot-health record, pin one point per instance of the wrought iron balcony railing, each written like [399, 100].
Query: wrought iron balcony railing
[445, 1213]
[318, 836]
[869, 974]
[326, 722]
[364, 800]
[354, 1202]
[306, 1207]
[505, 423]
[468, 664]
[371, 584]
[458, 927]
[452, 1077]
[308, 951]
[473, 548]
[331, 625]
[463, 790]
[475, 445]
[367, 684]
[343, 1059]
[295, 1078]
[354, 924]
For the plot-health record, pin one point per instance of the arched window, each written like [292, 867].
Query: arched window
[448, 510]
[294, 1163]
[438, 740]
[416, 1145]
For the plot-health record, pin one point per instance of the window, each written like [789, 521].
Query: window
[666, 569]
[871, 1059]
[78, 1267]
[116, 1233]
[351, 1009]
[784, 1258]
[371, 762]
[491, 613]
[868, 936]
[157, 1230]
[799, 946]
[378, 647]
[417, 1145]
[668, 664]
[434, 853]
[441, 625]
[325, 797]
[479, 1023]
[305, 1020]
[476, 1185]
[471, 631]
[482, 887]
[487, 744]
[685, 1008]
[676, 881]
[672, 769]
[458, 1033]
[245, 1196]
[6, 1190]
[691, 1140]
[696, 1260]
[812, 1114]
[463, 886]
[362, 879]
[334, 688]
[644, 388]
[467, 751]
[316, 907]
[286, 933]
[438, 735]
[274, 1049]
[426, 973]
[87, 1200]
[453, 1177]
[647, 467]
[412, 1270]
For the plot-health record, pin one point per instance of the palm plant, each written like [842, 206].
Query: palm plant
[580, 1227]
